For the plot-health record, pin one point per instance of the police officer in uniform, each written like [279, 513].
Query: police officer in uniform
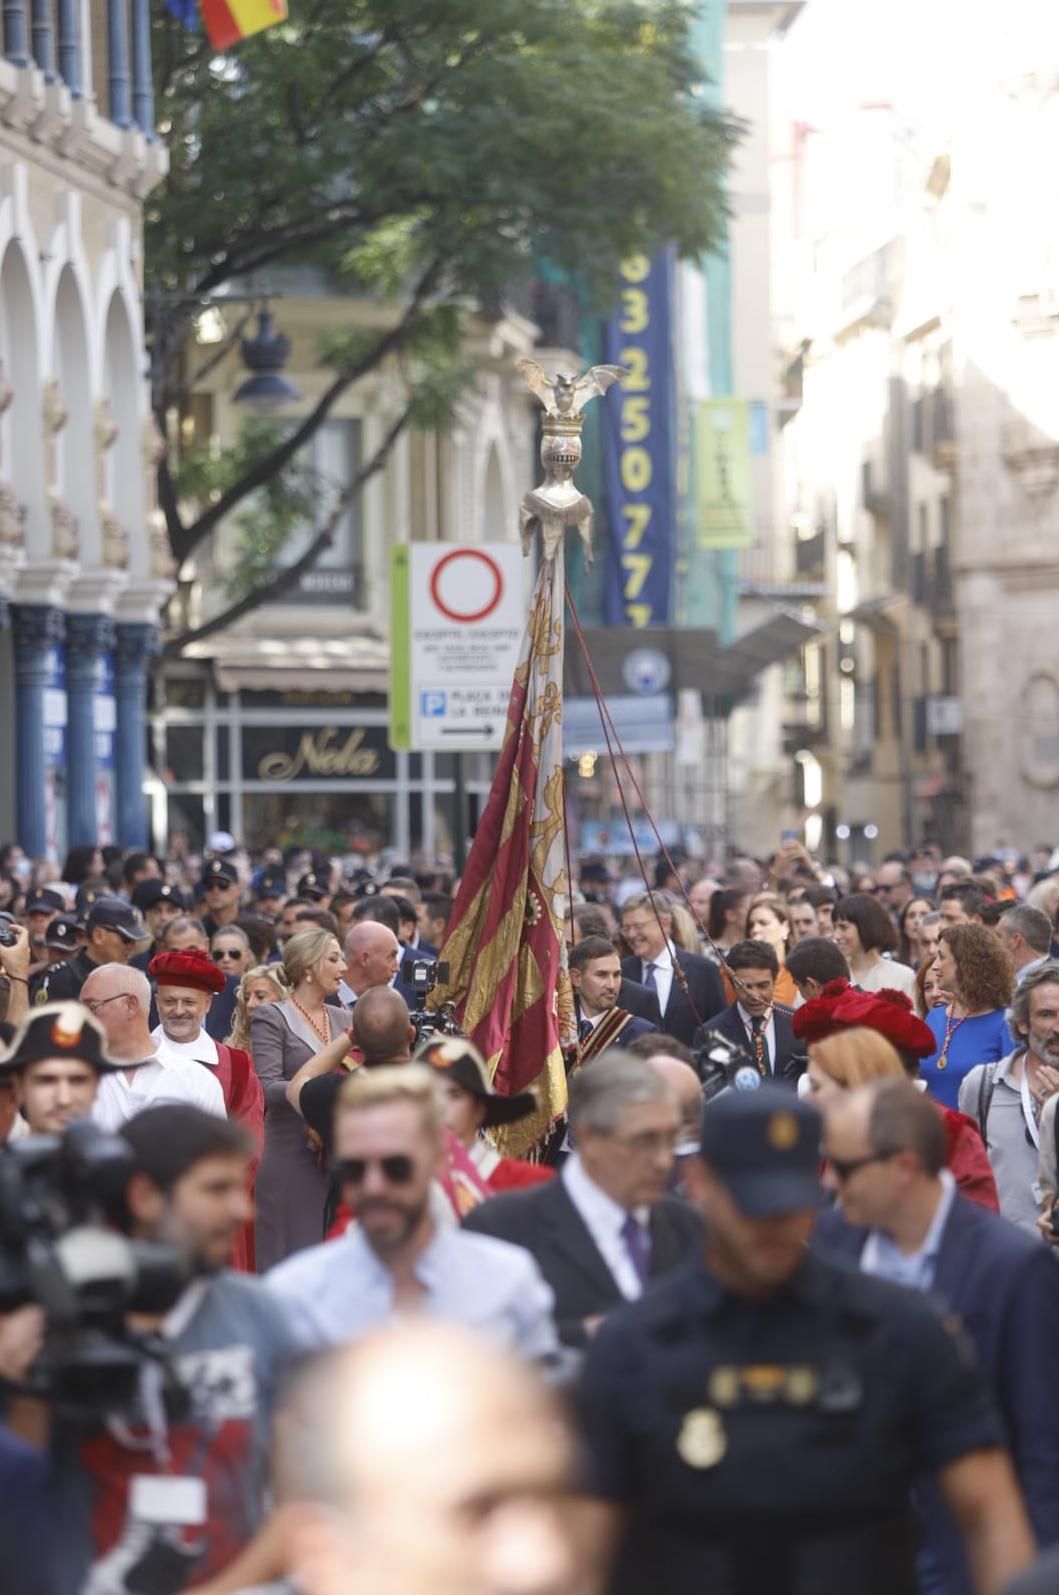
[754, 1424]
[112, 931]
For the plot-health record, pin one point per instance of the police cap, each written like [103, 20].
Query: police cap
[764, 1146]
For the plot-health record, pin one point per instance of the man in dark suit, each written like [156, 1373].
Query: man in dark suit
[645, 924]
[900, 1217]
[605, 1228]
[595, 974]
[755, 1022]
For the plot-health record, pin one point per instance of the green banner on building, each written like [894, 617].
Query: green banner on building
[721, 464]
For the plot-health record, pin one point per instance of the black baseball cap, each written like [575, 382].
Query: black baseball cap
[114, 914]
[43, 901]
[313, 886]
[87, 894]
[219, 871]
[59, 1030]
[149, 893]
[62, 933]
[269, 883]
[765, 1147]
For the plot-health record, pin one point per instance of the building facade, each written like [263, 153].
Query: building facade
[83, 562]
[276, 727]
[921, 258]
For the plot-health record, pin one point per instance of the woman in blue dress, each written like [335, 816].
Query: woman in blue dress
[979, 977]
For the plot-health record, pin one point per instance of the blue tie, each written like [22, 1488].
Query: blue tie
[638, 1245]
[649, 978]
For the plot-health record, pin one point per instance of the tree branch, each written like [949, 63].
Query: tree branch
[267, 467]
[286, 579]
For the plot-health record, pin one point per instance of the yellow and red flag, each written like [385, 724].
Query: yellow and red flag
[228, 21]
[505, 946]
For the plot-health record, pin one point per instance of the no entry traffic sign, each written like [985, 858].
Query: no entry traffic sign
[457, 618]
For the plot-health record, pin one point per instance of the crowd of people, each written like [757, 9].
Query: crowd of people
[770, 1308]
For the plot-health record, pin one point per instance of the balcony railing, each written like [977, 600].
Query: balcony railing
[48, 35]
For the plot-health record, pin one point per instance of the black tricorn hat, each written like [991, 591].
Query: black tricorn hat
[59, 1030]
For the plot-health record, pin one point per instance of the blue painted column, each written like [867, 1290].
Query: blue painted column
[87, 637]
[142, 86]
[16, 39]
[43, 39]
[70, 45]
[136, 644]
[118, 63]
[38, 629]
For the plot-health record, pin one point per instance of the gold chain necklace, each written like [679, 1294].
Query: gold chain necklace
[324, 1030]
[951, 1027]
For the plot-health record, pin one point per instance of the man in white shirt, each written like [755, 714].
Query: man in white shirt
[688, 986]
[395, 1260]
[119, 997]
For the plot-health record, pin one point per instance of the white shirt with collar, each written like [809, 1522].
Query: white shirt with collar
[603, 1217]
[202, 1050]
[663, 972]
[916, 1270]
[769, 1033]
[163, 1078]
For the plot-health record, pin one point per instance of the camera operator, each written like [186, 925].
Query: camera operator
[166, 1496]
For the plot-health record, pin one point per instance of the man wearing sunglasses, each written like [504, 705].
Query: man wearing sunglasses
[397, 1260]
[756, 1422]
[900, 1217]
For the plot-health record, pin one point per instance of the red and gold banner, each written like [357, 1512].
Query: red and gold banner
[505, 947]
[228, 21]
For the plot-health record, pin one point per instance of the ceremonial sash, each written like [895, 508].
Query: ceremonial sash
[604, 1035]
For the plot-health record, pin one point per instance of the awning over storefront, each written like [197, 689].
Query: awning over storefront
[261, 664]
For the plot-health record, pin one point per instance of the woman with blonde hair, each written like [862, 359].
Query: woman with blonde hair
[263, 983]
[309, 1022]
[848, 1059]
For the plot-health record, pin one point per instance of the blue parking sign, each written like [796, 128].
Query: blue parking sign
[432, 705]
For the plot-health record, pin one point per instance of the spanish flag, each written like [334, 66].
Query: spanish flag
[229, 21]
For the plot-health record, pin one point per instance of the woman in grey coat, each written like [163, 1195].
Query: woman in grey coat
[291, 1182]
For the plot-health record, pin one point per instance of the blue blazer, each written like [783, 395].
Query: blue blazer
[1004, 1284]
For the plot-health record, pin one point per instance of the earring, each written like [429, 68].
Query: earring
[308, 980]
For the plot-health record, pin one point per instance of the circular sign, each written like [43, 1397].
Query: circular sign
[466, 585]
[646, 670]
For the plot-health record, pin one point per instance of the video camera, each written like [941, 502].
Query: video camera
[722, 1065]
[58, 1251]
[442, 1021]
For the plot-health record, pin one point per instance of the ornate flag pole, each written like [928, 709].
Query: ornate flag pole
[505, 948]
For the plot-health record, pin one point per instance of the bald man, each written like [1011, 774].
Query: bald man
[366, 1505]
[363, 1440]
[120, 998]
[382, 1033]
[687, 1088]
[373, 957]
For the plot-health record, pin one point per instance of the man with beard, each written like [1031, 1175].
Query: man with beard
[168, 1496]
[1006, 1099]
[187, 983]
[396, 1260]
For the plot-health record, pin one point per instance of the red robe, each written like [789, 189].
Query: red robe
[512, 1174]
[245, 1101]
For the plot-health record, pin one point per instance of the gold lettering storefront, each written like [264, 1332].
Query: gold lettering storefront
[304, 767]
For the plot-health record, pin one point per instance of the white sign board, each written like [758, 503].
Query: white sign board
[458, 617]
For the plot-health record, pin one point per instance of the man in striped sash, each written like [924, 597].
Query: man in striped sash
[595, 974]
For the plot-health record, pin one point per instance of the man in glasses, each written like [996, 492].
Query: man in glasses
[605, 1228]
[220, 881]
[120, 999]
[397, 1259]
[901, 1218]
[756, 1422]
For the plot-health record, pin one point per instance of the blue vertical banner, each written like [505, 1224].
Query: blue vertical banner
[105, 722]
[54, 793]
[638, 448]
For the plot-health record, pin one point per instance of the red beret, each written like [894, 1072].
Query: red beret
[191, 968]
[841, 1007]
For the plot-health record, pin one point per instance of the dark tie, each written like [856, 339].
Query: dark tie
[649, 978]
[584, 1029]
[761, 1044]
[638, 1245]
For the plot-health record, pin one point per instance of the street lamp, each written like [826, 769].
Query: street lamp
[265, 355]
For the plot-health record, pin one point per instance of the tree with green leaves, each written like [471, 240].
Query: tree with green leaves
[424, 156]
